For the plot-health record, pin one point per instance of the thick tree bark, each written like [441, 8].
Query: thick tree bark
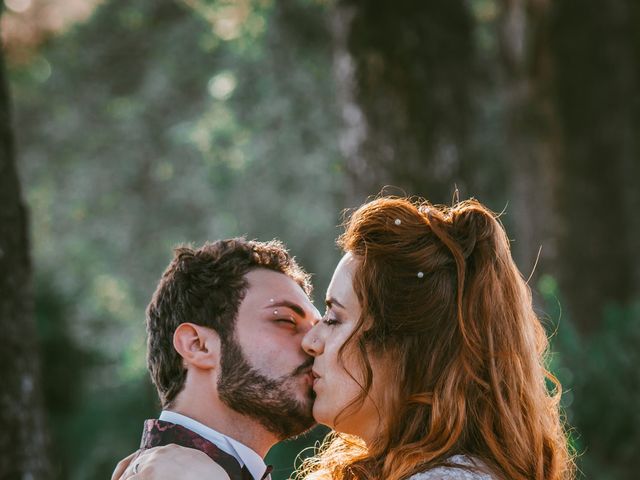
[571, 74]
[403, 71]
[597, 63]
[532, 132]
[23, 453]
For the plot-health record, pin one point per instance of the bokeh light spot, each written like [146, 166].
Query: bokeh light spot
[222, 85]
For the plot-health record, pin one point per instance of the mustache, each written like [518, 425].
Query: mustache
[304, 368]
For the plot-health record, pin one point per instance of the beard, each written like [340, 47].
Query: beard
[270, 401]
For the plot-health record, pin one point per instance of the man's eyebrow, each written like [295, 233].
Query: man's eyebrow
[292, 305]
[332, 301]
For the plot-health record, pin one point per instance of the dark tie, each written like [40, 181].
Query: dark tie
[246, 475]
[267, 472]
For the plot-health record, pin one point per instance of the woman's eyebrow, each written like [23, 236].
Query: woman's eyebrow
[332, 301]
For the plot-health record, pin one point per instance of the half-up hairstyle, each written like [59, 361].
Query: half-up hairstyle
[444, 302]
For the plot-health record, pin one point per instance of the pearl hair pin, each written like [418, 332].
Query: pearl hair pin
[398, 221]
[420, 274]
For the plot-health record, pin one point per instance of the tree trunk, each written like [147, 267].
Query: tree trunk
[23, 453]
[596, 50]
[403, 71]
[532, 132]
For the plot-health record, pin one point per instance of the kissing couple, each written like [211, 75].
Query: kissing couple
[427, 364]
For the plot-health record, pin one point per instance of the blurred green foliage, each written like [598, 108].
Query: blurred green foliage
[601, 385]
[154, 124]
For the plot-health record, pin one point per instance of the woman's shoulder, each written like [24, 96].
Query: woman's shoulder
[478, 471]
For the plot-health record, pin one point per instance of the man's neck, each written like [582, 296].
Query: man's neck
[220, 417]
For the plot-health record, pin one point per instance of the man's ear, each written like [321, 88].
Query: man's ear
[198, 346]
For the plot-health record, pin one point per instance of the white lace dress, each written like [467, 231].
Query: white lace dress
[453, 473]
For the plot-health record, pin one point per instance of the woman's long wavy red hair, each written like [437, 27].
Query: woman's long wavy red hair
[442, 297]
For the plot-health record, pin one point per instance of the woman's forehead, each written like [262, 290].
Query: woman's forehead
[341, 286]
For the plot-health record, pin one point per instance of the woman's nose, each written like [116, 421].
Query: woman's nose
[311, 342]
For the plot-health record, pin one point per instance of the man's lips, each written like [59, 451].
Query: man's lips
[314, 377]
[308, 376]
[305, 368]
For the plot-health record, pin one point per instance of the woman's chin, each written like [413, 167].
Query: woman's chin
[323, 417]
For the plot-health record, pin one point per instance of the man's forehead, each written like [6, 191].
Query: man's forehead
[269, 284]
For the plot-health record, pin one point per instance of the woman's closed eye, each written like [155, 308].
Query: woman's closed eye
[330, 320]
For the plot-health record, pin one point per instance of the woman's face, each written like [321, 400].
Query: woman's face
[336, 383]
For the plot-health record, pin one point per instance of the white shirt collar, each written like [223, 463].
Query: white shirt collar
[243, 454]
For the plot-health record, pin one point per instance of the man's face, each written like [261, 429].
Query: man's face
[265, 374]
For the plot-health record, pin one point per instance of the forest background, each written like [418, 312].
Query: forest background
[128, 128]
